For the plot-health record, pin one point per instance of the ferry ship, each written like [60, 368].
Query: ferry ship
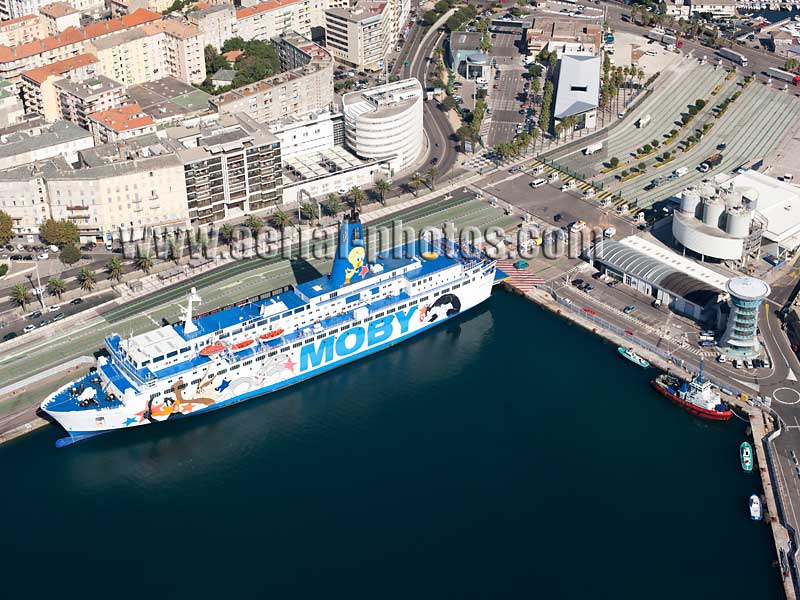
[276, 339]
[696, 396]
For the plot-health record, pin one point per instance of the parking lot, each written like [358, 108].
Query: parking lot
[506, 90]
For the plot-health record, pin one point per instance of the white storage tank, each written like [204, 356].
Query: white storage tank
[738, 222]
[690, 200]
[712, 211]
[707, 191]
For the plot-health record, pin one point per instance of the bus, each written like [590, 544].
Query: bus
[736, 57]
[783, 75]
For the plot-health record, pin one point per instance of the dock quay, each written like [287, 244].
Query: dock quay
[765, 424]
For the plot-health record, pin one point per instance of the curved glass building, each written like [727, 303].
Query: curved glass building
[746, 296]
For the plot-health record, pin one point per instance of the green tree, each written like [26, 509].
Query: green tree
[357, 197]
[433, 173]
[700, 103]
[214, 60]
[624, 174]
[309, 211]
[56, 286]
[415, 182]
[58, 233]
[254, 223]
[334, 205]
[6, 232]
[144, 262]
[281, 219]
[642, 167]
[87, 279]
[226, 233]
[614, 162]
[666, 155]
[383, 187]
[69, 254]
[115, 268]
[20, 295]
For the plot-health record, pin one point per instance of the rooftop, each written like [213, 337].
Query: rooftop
[224, 75]
[99, 84]
[73, 35]
[125, 118]
[578, 85]
[777, 201]
[262, 7]
[382, 100]
[60, 67]
[168, 98]
[34, 138]
[57, 10]
[748, 288]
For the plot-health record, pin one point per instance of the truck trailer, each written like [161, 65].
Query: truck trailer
[783, 75]
[592, 148]
[711, 162]
[736, 57]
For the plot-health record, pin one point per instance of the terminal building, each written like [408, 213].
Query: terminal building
[578, 90]
[465, 56]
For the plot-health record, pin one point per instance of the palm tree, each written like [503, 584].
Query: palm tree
[254, 223]
[20, 295]
[309, 211]
[433, 173]
[56, 286]
[416, 181]
[144, 262]
[357, 197]
[87, 278]
[534, 136]
[226, 232]
[281, 219]
[383, 188]
[115, 268]
[558, 129]
[334, 204]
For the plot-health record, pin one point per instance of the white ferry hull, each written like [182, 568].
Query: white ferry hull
[214, 386]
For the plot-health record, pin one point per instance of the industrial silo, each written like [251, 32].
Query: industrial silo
[690, 200]
[712, 211]
[738, 222]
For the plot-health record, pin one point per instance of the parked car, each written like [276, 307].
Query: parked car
[588, 288]
[434, 161]
[53, 308]
[722, 358]
[43, 256]
[577, 282]
[58, 317]
[35, 314]
[629, 309]
[557, 217]
[28, 328]
[748, 364]
[76, 301]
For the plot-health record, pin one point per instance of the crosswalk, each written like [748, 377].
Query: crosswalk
[522, 279]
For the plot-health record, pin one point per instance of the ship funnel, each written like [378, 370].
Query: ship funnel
[350, 263]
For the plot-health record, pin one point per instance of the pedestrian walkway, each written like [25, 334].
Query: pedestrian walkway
[521, 279]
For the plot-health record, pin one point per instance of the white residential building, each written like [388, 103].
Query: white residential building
[218, 23]
[384, 123]
[361, 35]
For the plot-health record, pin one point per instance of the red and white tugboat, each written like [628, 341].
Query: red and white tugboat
[697, 396]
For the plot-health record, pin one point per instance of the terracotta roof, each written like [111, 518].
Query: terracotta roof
[173, 28]
[72, 35]
[5, 24]
[201, 5]
[59, 68]
[267, 6]
[57, 10]
[124, 118]
[232, 55]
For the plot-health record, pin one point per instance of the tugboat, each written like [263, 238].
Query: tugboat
[755, 508]
[746, 456]
[697, 396]
[633, 357]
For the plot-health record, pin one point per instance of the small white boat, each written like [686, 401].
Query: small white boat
[755, 508]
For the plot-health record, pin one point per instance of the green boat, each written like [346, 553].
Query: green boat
[633, 357]
[746, 456]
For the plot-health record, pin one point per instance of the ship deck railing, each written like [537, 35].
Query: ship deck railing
[66, 401]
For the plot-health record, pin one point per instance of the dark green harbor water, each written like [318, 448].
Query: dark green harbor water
[505, 455]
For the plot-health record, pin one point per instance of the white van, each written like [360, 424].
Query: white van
[610, 232]
[680, 172]
[538, 182]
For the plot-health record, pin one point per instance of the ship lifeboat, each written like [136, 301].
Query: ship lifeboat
[270, 334]
[212, 349]
[241, 345]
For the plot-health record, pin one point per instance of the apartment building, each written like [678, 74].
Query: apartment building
[71, 42]
[120, 124]
[266, 20]
[304, 86]
[22, 30]
[166, 48]
[107, 188]
[11, 109]
[79, 99]
[40, 141]
[362, 34]
[232, 166]
[564, 35]
[217, 23]
[38, 91]
[59, 16]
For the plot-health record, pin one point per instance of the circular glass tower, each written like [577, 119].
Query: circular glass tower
[746, 296]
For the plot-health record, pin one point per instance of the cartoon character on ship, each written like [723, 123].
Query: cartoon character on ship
[356, 258]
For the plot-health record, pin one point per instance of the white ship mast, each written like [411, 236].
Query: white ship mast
[188, 324]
